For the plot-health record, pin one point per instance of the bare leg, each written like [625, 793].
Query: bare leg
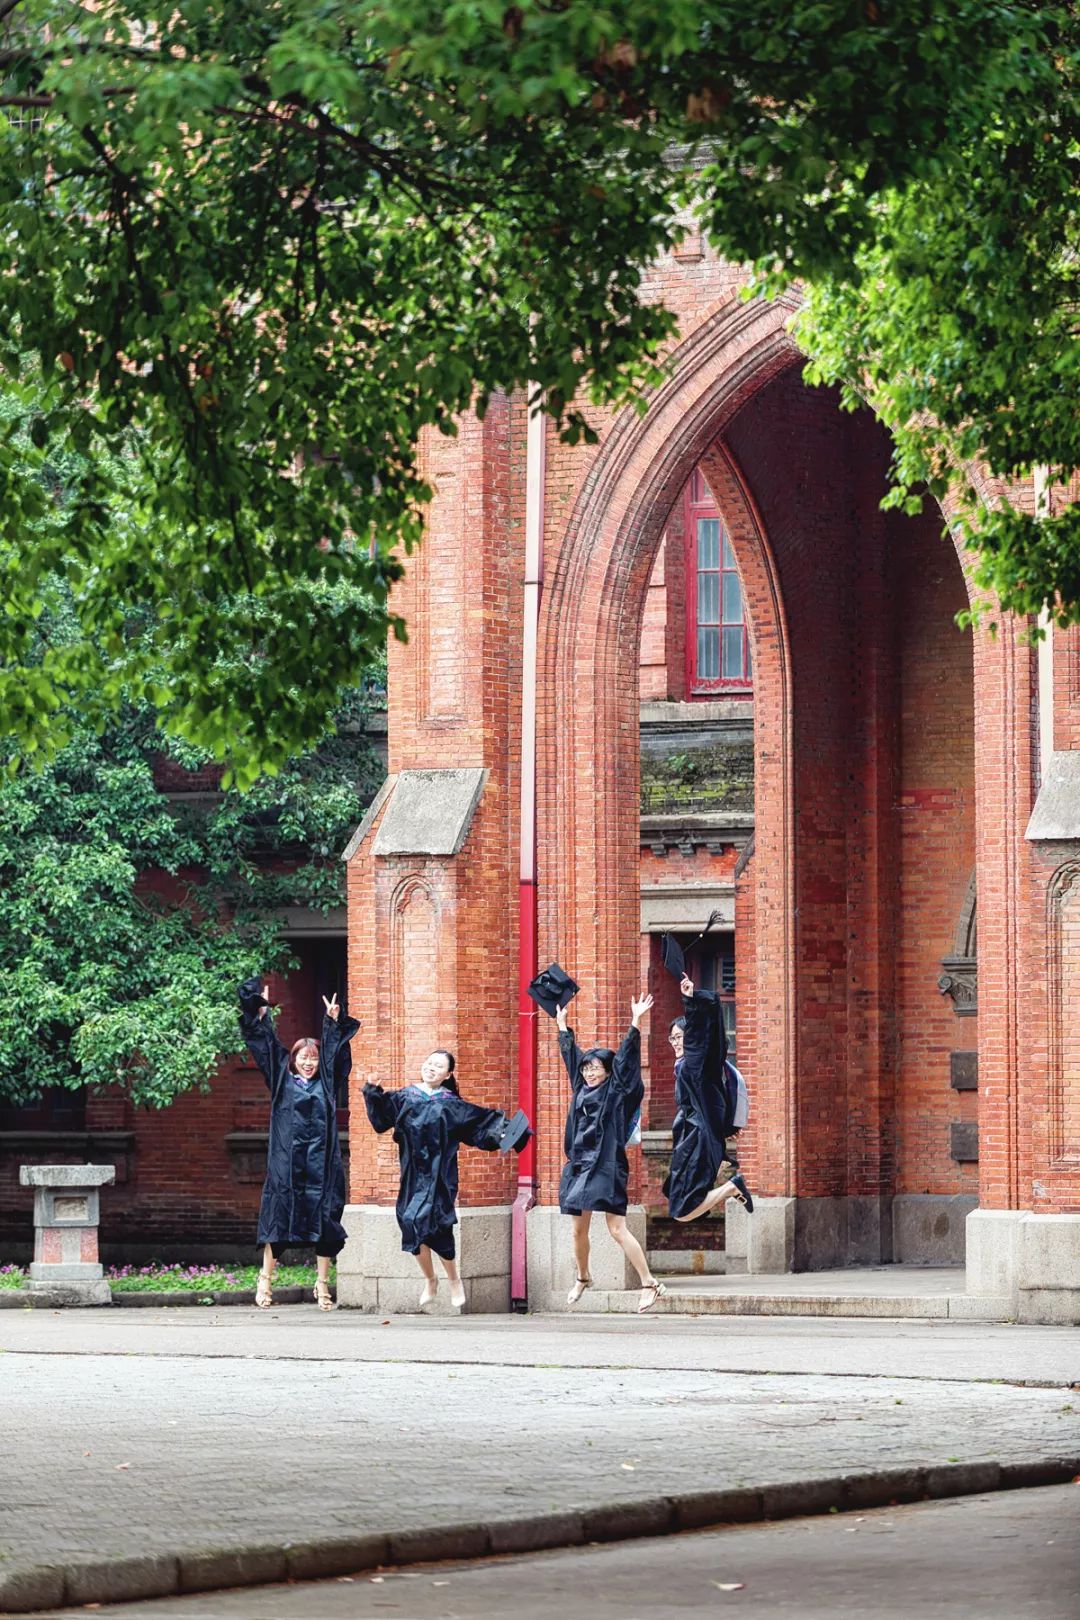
[264, 1286]
[322, 1283]
[581, 1225]
[628, 1243]
[427, 1266]
[457, 1287]
[712, 1199]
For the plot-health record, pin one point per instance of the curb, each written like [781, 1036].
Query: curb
[126, 1580]
[17, 1299]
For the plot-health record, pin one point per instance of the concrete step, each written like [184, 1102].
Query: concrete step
[879, 1291]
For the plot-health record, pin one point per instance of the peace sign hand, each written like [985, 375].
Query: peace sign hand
[332, 1008]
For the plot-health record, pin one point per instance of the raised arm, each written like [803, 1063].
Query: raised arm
[626, 1069]
[571, 1053]
[337, 1032]
[704, 1039]
[257, 1028]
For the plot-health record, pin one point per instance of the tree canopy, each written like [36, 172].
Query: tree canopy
[128, 915]
[254, 250]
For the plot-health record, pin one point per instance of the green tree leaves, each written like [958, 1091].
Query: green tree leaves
[128, 917]
[255, 251]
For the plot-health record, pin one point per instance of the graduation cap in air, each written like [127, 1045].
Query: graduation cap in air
[674, 957]
[552, 989]
[251, 995]
[516, 1134]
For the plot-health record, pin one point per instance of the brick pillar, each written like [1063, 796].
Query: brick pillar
[432, 874]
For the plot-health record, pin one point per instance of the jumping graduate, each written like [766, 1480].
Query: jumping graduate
[607, 1093]
[304, 1192]
[705, 1103]
[430, 1121]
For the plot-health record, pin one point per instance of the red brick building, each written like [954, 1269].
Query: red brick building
[900, 768]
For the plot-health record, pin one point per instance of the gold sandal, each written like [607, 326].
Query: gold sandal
[264, 1294]
[650, 1293]
[321, 1292]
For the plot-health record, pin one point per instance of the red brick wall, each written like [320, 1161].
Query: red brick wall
[653, 658]
[936, 807]
[863, 805]
[433, 942]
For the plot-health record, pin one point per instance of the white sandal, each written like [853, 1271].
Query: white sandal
[428, 1292]
[650, 1293]
[264, 1294]
[580, 1285]
[322, 1296]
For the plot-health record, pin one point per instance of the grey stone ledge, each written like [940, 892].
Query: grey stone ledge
[703, 821]
[430, 812]
[66, 1175]
[1056, 815]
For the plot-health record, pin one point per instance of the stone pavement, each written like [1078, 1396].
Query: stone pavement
[150, 1451]
[1010, 1556]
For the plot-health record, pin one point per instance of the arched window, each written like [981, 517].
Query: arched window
[717, 639]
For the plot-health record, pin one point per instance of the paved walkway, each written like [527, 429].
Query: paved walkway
[902, 1349]
[1002, 1557]
[162, 1435]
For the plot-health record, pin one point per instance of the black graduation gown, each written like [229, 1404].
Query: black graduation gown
[428, 1128]
[304, 1191]
[704, 1104]
[598, 1122]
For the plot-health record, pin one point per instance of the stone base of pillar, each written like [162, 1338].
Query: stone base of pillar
[57, 1291]
[1033, 1260]
[763, 1241]
[929, 1230]
[552, 1268]
[374, 1274]
[808, 1234]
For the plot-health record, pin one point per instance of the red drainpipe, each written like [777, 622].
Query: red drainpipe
[535, 457]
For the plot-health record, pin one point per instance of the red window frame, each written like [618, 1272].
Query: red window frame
[699, 506]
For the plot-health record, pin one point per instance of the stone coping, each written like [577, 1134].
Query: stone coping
[66, 1175]
[12, 1299]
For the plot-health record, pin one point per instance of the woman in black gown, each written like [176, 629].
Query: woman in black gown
[607, 1094]
[304, 1192]
[430, 1121]
[704, 1110]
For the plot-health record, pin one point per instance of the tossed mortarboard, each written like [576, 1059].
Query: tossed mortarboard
[516, 1134]
[251, 995]
[552, 989]
[674, 957]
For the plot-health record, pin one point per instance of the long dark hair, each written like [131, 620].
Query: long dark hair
[449, 1083]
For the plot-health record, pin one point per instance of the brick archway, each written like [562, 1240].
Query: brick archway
[589, 750]
[589, 732]
[796, 508]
